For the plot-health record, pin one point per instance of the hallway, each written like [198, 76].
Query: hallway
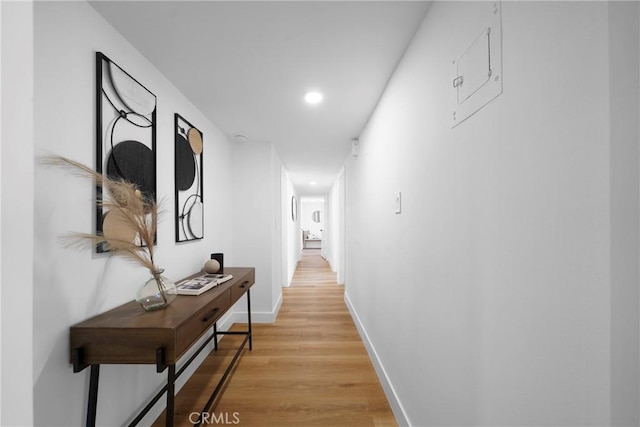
[309, 368]
[313, 270]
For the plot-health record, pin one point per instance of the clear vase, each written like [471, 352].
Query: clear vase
[157, 292]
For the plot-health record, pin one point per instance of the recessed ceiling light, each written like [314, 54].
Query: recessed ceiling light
[313, 98]
[313, 183]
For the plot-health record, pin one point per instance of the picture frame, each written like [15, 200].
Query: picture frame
[294, 209]
[125, 141]
[189, 200]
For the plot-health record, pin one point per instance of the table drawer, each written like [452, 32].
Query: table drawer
[239, 289]
[201, 322]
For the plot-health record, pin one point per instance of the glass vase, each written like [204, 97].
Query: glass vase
[157, 292]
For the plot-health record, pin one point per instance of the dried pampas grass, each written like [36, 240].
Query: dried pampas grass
[132, 229]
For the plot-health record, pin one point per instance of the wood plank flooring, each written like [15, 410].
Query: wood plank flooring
[313, 270]
[309, 368]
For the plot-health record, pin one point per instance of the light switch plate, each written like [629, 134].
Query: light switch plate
[398, 202]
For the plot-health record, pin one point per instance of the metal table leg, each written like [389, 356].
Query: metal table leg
[93, 395]
[249, 318]
[171, 382]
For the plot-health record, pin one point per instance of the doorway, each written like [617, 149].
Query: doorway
[312, 223]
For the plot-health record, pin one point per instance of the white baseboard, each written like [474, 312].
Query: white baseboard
[389, 391]
[226, 322]
[256, 316]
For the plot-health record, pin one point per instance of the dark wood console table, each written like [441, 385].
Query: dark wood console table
[129, 335]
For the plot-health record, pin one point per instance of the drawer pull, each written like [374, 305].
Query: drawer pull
[211, 314]
[243, 284]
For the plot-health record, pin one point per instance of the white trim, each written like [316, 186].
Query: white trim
[1, 139]
[256, 316]
[396, 406]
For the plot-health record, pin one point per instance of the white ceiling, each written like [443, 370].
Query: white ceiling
[248, 64]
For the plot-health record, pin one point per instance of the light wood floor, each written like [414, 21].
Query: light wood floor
[309, 368]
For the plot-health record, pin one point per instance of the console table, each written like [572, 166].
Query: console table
[129, 335]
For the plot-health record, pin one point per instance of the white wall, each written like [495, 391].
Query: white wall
[256, 225]
[70, 285]
[624, 134]
[291, 229]
[334, 236]
[1, 84]
[16, 226]
[497, 277]
[277, 243]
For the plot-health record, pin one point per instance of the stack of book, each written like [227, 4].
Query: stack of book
[201, 284]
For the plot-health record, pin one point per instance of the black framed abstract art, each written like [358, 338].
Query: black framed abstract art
[188, 178]
[126, 141]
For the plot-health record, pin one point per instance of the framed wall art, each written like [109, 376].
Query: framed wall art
[188, 179]
[294, 209]
[126, 140]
